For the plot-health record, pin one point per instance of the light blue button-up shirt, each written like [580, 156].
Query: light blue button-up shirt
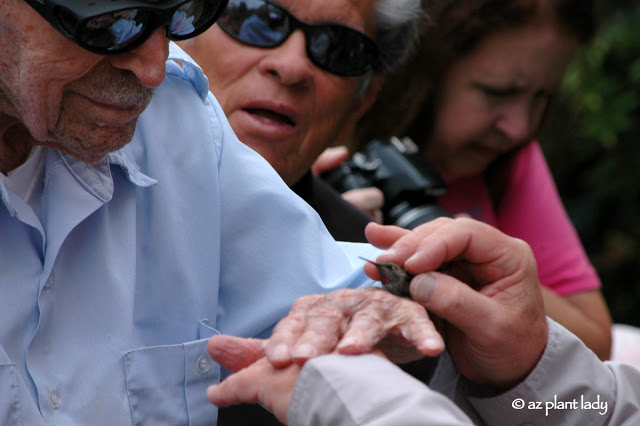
[108, 298]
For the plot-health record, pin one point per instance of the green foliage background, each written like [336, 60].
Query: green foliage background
[592, 143]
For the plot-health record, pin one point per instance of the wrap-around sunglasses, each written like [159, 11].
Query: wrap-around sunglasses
[119, 26]
[334, 48]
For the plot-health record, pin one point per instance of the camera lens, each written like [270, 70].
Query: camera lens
[407, 216]
[410, 184]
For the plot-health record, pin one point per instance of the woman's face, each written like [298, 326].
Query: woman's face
[493, 100]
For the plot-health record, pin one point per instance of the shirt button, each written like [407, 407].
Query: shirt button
[203, 364]
[54, 400]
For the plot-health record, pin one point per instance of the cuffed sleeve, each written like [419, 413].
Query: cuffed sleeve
[570, 385]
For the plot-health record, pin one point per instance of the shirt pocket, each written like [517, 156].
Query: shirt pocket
[167, 385]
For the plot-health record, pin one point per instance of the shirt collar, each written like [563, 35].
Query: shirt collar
[191, 70]
[95, 178]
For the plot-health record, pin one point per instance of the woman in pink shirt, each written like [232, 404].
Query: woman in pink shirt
[473, 98]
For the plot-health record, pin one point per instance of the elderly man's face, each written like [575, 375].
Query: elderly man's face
[81, 103]
[277, 101]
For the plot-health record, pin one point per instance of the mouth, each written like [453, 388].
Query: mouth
[114, 105]
[271, 117]
[107, 113]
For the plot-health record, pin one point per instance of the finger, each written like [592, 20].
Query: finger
[474, 242]
[329, 159]
[461, 215]
[478, 313]
[453, 301]
[235, 353]
[261, 382]
[367, 326]
[289, 330]
[493, 339]
[414, 337]
[367, 199]
[377, 216]
[285, 334]
[238, 388]
[383, 236]
[401, 243]
[325, 324]
[386, 314]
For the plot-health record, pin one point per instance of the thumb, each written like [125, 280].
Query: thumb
[454, 301]
[496, 337]
[235, 353]
[329, 159]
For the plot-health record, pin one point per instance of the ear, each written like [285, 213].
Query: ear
[360, 107]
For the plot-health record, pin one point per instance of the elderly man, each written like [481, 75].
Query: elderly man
[134, 225]
[290, 94]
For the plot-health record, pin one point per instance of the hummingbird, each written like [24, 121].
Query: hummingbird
[395, 279]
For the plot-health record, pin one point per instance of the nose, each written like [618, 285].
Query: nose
[289, 63]
[517, 122]
[147, 62]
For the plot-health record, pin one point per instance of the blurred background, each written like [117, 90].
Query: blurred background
[592, 144]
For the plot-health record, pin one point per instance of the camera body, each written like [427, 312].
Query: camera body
[409, 183]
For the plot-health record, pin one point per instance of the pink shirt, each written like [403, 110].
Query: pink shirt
[531, 210]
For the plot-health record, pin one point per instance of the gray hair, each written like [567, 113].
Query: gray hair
[397, 23]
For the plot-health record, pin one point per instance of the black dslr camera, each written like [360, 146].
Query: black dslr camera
[409, 183]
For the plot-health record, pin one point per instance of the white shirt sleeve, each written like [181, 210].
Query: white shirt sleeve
[346, 390]
[571, 386]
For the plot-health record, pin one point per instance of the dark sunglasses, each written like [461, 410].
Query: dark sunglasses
[118, 26]
[334, 48]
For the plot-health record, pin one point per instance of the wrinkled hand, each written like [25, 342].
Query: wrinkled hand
[256, 380]
[354, 322]
[487, 291]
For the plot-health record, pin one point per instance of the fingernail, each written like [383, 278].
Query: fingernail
[422, 288]
[392, 251]
[304, 351]
[347, 342]
[280, 353]
[210, 391]
[433, 344]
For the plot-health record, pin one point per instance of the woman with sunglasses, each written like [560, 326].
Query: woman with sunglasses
[473, 98]
[295, 76]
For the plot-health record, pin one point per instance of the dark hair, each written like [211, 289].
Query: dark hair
[405, 104]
